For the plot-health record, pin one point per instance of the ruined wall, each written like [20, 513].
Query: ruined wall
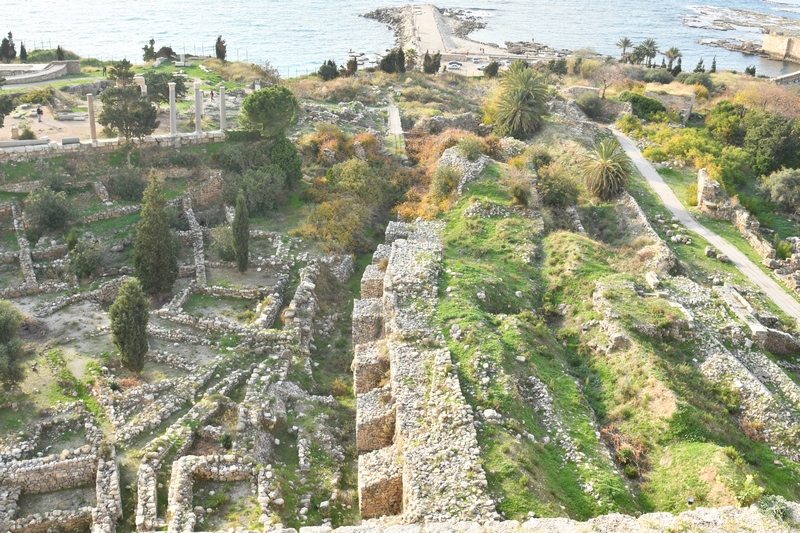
[781, 46]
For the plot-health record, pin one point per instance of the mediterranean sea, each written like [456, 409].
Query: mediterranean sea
[296, 36]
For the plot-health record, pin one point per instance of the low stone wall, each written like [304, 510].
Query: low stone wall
[104, 294]
[48, 474]
[469, 170]
[185, 470]
[108, 507]
[77, 520]
[115, 212]
[712, 201]
[54, 149]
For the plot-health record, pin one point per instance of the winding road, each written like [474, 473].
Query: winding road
[771, 288]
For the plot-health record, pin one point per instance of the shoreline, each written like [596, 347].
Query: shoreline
[427, 28]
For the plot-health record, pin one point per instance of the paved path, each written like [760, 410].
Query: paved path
[766, 283]
[395, 126]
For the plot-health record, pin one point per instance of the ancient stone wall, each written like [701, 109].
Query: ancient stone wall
[48, 474]
[408, 429]
[781, 47]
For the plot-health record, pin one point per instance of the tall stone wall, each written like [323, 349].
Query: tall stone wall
[781, 47]
[420, 456]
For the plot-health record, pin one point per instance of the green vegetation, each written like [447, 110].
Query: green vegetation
[517, 109]
[271, 111]
[154, 255]
[129, 315]
[241, 233]
[10, 345]
[608, 168]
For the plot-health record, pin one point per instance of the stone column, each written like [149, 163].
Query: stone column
[92, 125]
[198, 108]
[173, 120]
[223, 120]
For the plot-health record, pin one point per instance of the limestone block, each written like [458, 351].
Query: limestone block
[367, 320]
[370, 365]
[372, 282]
[380, 484]
[375, 419]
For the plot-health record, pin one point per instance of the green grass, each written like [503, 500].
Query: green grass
[523, 476]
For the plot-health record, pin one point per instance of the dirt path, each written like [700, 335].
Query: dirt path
[395, 126]
[775, 292]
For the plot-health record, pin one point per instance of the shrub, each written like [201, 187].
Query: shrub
[226, 441]
[691, 194]
[591, 104]
[774, 506]
[628, 124]
[520, 192]
[783, 249]
[72, 239]
[47, 210]
[643, 107]
[470, 147]
[27, 134]
[699, 78]
[85, 259]
[659, 75]
[783, 188]
[490, 70]
[261, 187]
[340, 225]
[222, 239]
[38, 96]
[445, 180]
[538, 156]
[340, 388]
[655, 154]
[241, 157]
[556, 188]
[126, 183]
[284, 155]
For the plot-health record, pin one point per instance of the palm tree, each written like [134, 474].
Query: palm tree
[672, 54]
[651, 49]
[521, 103]
[607, 169]
[624, 43]
[638, 55]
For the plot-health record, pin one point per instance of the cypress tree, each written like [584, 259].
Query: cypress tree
[427, 64]
[129, 314]
[154, 250]
[23, 53]
[713, 65]
[241, 233]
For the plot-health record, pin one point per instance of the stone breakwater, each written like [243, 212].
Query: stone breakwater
[419, 453]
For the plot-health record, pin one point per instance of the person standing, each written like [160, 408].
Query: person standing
[39, 113]
[212, 95]
[104, 71]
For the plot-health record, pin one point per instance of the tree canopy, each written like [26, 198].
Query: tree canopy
[10, 345]
[158, 88]
[272, 111]
[154, 256]
[221, 49]
[128, 112]
[121, 72]
[129, 315]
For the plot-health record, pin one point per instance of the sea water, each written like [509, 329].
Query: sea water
[296, 36]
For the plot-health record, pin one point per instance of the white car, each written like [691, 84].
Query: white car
[455, 66]
[476, 60]
[454, 63]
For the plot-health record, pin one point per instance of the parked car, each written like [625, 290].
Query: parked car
[454, 63]
[454, 66]
[476, 60]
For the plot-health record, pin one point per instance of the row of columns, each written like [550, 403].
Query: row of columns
[173, 112]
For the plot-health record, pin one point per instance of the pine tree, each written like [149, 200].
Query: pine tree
[427, 64]
[12, 49]
[713, 65]
[154, 250]
[129, 315]
[11, 351]
[221, 49]
[401, 60]
[241, 233]
[59, 53]
[700, 67]
[23, 53]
